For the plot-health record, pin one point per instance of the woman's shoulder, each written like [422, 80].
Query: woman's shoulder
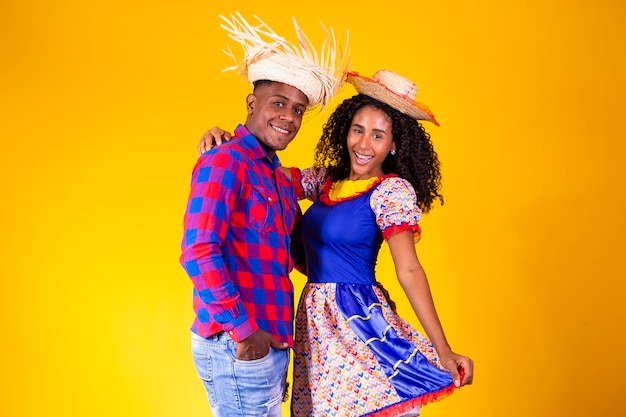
[393, 184]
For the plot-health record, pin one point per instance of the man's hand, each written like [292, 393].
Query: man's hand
[257, 346]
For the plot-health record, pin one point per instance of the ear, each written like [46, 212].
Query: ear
[250, 103]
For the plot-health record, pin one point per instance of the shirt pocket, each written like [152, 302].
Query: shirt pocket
[261, 209]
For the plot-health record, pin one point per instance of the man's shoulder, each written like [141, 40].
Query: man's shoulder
[231, 152]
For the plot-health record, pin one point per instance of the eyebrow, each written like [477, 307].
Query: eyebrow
[363, 127]
[287, 99]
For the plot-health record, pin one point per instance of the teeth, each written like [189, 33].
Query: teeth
[278, 129]
[363, 158]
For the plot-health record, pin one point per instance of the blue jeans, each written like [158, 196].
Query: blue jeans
[240, 388]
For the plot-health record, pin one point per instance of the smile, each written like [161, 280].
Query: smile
[280, 130]
[362, 159]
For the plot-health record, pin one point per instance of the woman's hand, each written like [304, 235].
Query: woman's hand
[456, 364]
[211, 138]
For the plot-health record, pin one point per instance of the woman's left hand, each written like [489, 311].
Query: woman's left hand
[455, 363]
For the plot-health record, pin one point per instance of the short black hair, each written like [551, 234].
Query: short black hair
[261, 83]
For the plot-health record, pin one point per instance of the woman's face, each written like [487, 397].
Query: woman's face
[369, 142]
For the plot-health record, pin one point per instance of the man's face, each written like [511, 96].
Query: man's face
[275, 113]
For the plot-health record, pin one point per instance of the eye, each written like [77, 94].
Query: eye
[299, 112]
[357, 130]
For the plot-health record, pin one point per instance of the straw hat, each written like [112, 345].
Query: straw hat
[395, 90]
[268, 56]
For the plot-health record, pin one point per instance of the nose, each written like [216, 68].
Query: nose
[364, 142]
[286, 115]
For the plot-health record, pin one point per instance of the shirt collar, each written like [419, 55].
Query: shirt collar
[252, 144]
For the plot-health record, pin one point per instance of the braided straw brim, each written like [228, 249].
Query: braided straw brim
[394, 90]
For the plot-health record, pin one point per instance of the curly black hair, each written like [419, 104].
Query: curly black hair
[415, 160]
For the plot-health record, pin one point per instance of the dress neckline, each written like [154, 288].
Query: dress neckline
[337, 191]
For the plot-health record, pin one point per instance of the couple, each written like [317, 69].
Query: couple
[375, 172]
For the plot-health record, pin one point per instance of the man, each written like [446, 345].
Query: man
[239, 216]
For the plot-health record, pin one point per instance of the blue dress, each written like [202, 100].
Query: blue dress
[354, 356]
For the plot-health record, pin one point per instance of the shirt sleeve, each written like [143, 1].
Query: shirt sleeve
[297, 246]
[215, 185]
[308, 182]
[395, 207]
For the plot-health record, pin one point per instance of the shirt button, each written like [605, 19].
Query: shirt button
[269, 199]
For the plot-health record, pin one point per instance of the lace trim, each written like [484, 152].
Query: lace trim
[325, 195]
[296, 181]
[417, 231]
[403, 407]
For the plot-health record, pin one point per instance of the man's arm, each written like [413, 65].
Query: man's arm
[214, 187]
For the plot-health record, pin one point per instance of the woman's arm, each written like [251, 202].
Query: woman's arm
[307, 186]
[216, 136]
[412, 278]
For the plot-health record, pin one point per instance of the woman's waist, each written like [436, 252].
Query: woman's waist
[341, 279]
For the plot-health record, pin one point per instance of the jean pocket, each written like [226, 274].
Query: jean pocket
[267, 374]
[253, 362]
[204, 367]
[202, 361]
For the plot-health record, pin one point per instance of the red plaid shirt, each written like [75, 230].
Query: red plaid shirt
[236, 242]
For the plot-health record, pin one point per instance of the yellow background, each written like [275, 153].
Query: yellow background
[102, 105]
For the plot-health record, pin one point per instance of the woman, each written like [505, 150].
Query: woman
[375, 172]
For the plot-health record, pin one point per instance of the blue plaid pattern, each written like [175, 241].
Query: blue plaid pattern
[235, 247]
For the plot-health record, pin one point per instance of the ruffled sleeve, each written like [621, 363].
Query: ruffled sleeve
[395, 206]
[308, 182]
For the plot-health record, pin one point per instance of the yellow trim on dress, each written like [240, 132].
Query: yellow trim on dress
[369, 316]
[374, 339]
[348, 188]
[406, 361]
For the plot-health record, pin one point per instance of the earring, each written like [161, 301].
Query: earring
[393, 151]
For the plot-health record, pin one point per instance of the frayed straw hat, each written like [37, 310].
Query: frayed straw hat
[268, 56]
[395, 90]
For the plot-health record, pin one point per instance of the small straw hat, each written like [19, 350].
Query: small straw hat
[393, 89]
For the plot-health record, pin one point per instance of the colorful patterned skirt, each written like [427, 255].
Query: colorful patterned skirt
[354, 356]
